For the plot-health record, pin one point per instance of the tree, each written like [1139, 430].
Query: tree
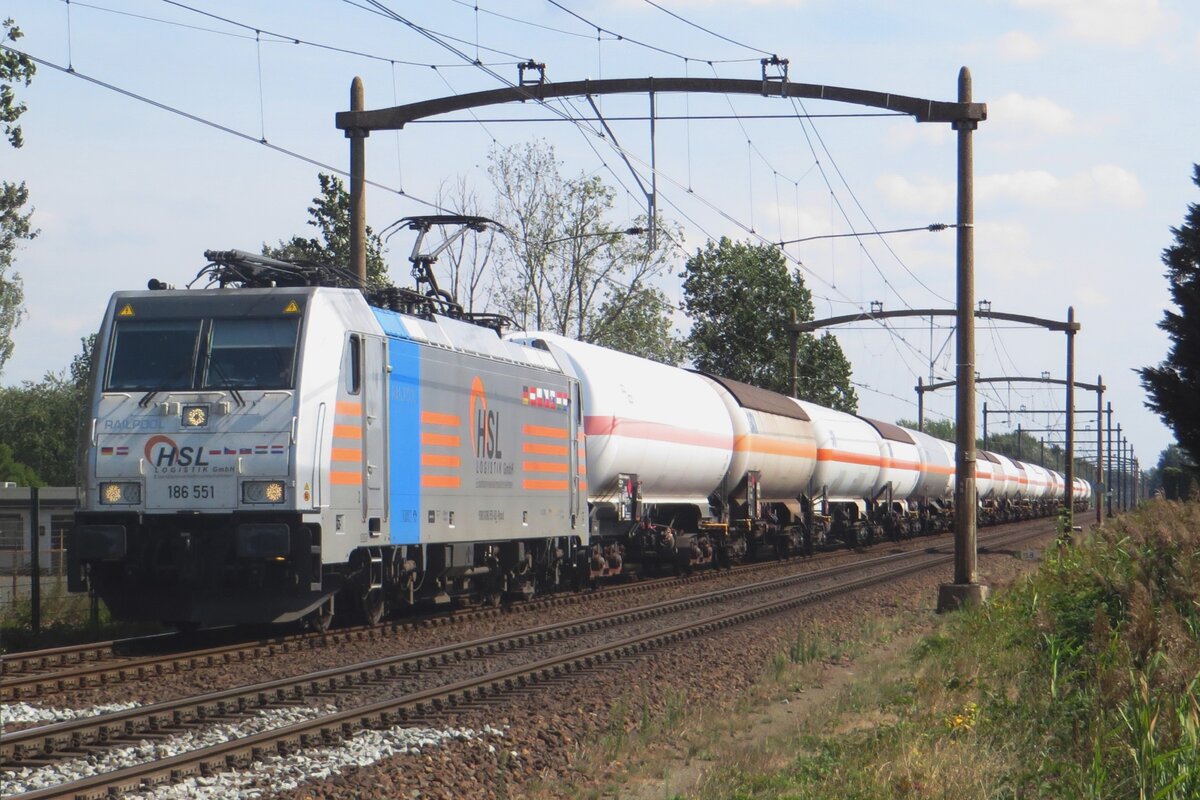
[15, 471]
[740, 297]
[637, 324]
[330, 214]
[1172, 385]
[563, 267]
[469, 258]
[14, 226]
[1174, 475]
[41, 422]
[944, 429]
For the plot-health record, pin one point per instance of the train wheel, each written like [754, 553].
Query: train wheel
[374, 606]
[319, 620]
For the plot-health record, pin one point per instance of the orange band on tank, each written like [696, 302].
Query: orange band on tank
[434, 418]
[440, 460]
[846, 457]
[440, 439]
[757, 443]
[349, 409]
[441, 481]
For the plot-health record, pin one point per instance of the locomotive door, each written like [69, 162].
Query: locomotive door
[374, 420]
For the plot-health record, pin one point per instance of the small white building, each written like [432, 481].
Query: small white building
[55, 518]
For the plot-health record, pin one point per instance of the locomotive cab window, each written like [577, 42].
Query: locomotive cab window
[158, 354]
[220, 353]
[250, 353]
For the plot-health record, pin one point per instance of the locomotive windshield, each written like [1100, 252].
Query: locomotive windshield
[193, 354]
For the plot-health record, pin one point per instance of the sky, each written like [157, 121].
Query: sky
[159, 129]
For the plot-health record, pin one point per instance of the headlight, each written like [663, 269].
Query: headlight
[194, 416]
[120, 494]
[262, 492]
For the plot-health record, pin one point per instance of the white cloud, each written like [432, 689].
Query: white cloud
[1122, 22]
[1018, 46]
[1101, 185]
[902, 137]
[927, 194]
[1005, 251]
[1030, 114]
[1104, 185]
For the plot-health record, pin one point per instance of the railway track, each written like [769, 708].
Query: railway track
[425, 685]
[41, 675]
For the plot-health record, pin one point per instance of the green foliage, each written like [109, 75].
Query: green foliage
[330, 214]
[943, 429]
[14, 225]
[1174, 475]
[40, 422]
[740, 297]
[1172, 385]
[13, 470]
[564, 267]
[635, 323]
[14, 68]
[1081, 681]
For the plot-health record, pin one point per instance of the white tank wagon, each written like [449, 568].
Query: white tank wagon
[774, 457]
[899, 475]
[985, 476]
[846, 478]
[937, 468]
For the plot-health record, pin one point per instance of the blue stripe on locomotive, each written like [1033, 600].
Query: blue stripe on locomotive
[404, 429]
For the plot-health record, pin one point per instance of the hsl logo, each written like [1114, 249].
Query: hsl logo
[486, 442]
[161, 451]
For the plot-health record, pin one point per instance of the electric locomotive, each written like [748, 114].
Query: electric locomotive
[258, 454]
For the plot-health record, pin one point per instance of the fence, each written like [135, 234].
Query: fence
[50, 512]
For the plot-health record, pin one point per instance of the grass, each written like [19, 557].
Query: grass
[66, 619]
[1080, 682]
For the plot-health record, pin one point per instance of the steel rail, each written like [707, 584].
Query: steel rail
[475, 689]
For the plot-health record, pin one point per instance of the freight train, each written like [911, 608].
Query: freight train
[273, 448]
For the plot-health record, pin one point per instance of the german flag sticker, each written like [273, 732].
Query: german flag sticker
[127, 311]
[291, 308]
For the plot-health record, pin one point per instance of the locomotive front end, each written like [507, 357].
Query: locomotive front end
[190, 508]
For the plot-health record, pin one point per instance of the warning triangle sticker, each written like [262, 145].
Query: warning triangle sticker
[291, 308]
[127, 311]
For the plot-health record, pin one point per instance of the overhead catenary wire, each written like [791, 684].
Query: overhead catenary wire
[275, 37]
[710, 32]
[433, 205]
[214, 125]
[640, 43]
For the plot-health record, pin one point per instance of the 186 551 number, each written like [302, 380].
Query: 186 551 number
[199, 491]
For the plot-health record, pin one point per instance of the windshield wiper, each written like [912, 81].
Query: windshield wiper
[215, 365]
